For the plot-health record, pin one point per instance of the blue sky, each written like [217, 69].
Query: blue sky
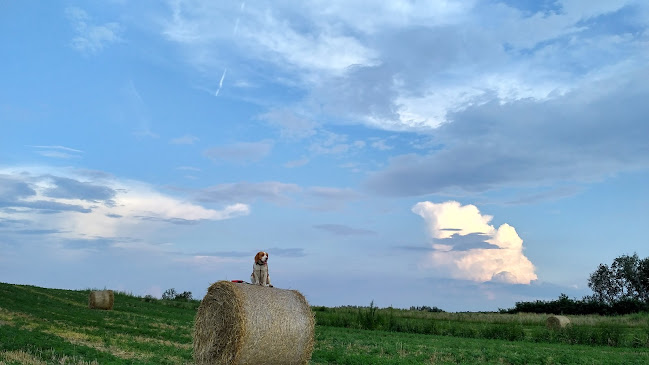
[458, 154]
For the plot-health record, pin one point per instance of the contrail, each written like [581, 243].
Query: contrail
[225, 70]
[236, 27]
[234, 32]
[236, 23]
[61, 148]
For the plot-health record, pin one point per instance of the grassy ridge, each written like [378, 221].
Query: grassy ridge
[45, 326]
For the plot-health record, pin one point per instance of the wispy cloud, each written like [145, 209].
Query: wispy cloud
[136, 110]
[272, 191]
[330, 143]
[186, 139]
[381, 145]
[57, 151]
[287, 252]
[329, 193]
[358, 64]
[291, 125]
[264, 34]
[552, 194]
[241, 152]
[297, 163]
[188, 168]
[344, 230]
[323, 198]
[91, 38]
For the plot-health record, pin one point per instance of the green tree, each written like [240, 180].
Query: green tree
[169, 294]
[643, 279]
[603, 285]
[626, 278]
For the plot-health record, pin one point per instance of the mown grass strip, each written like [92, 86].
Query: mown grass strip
[39, 343]
[353, 346]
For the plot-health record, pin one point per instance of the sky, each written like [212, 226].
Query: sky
[466, 154]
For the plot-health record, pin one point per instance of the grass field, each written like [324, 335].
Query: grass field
[50, 326]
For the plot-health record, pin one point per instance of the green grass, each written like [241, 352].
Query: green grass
[619, 331]
[46, 326]
[353, 346]
[52, 324]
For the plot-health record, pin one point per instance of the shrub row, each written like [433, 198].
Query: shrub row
[588, 305]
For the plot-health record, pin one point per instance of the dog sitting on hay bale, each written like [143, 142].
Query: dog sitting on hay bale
[260, 275]
[239, 323]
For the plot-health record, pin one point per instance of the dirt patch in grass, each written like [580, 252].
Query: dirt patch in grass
[21, 357]
[149, 340]
[95, 342]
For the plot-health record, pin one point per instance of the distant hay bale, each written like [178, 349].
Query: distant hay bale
[101, 299]
[556, 322]
[239, 323]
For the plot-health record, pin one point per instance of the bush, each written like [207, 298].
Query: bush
[587, 305]
[149, 298]
[426, 308]
[186, 296]
[369, 319]
[171, 294]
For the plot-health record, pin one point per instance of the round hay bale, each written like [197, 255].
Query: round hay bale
[557, 322]
[240, 323]
[101, 299]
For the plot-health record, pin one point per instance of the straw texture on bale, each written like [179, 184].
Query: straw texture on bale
[101, 299]
[239, 323]
[556, 322]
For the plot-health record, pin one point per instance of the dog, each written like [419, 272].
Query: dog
[260, 274]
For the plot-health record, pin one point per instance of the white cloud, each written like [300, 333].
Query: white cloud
[92, 38]
[446, 219]
[322, 51]
[407, 65]
[264, 32]
[82, 207]
[391, 14]
[586, 134]
[466, 246]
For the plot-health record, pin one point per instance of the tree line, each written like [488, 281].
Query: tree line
[619, 288]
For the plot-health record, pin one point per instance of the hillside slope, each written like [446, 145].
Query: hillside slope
[56, 326]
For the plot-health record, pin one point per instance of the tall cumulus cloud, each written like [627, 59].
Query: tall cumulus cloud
[465, 246]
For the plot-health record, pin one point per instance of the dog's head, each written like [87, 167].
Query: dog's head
[261, 258]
